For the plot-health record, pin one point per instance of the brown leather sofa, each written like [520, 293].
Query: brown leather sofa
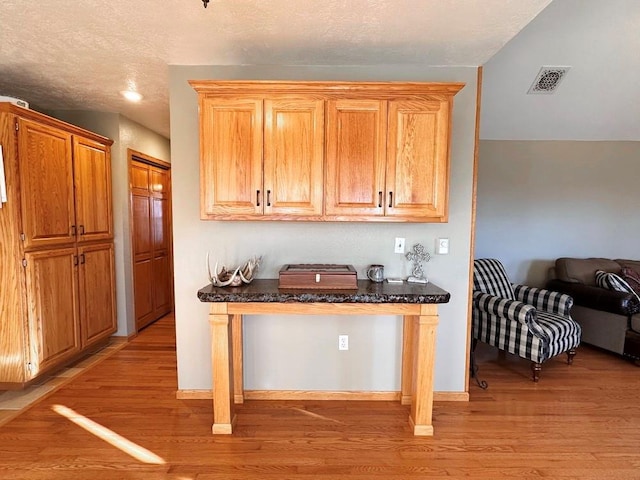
[609, 319]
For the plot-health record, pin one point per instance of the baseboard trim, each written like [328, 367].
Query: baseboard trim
[450, 396]
[320, 395]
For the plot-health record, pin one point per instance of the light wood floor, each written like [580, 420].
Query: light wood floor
[579, 422]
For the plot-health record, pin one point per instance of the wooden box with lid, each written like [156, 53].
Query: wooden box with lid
[317, 276]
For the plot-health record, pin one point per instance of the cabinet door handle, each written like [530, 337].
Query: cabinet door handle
[379, 199]
[81, 229]
[82, 259]
[75, 260]
[258, 198]
[73, 230]
[390, 199]
[268, 198]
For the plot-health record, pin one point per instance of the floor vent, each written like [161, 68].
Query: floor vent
[548, 79]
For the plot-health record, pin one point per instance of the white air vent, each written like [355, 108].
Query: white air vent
[15, 101]
[548, 79]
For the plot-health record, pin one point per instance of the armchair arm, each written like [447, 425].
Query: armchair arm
[506, 308]
[543, 299]
[598, 298]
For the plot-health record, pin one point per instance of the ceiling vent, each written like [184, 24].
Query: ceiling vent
[548, 80]
[15, 101]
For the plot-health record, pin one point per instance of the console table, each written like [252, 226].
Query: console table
[415, 302]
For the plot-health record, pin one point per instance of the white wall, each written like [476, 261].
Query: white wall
[126, 134]
[596, 100]
[538, 201]
[301, 352]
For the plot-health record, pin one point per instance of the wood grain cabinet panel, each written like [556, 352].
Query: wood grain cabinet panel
[231, 150]
[92, 171]
[418, 159]
[46, 180]
[293, 156]
[54, 323]
[386, 144]
[261, 157]
[97, 286]
[356, 142]
[57, 282]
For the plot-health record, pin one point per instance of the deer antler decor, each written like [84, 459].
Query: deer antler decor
[228, 277]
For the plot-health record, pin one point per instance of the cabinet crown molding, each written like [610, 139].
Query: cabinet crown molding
[381, 90]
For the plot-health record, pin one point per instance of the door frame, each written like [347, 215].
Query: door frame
[134, 155]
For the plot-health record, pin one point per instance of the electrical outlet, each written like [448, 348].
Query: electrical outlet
[399, 245]
[343, 342]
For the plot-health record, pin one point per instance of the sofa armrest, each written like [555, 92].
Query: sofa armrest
[506, 308]
[611, 301]
[546, 300]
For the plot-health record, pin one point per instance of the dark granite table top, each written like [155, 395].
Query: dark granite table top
[267, 291]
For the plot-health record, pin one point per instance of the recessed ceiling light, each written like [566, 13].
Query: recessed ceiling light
[131, 95]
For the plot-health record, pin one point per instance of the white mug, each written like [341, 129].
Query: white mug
[375, 273]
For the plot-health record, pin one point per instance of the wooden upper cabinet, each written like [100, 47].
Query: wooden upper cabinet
[325, 151]
[92, 172]
[46, 179]
[293, 156]
[418, 159]
[65, 186]
[231, 156]
[356, 143]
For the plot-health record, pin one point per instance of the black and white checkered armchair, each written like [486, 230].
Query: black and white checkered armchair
[532, 323]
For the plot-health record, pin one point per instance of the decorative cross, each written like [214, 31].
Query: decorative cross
[417, 257]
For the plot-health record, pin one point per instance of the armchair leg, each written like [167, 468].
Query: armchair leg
[473, 366]
[570, 354]
[536, 368]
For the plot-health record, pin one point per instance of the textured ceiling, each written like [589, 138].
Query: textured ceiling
[69, 54]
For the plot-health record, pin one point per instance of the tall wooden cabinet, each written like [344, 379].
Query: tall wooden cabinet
[325, 151]
[57, 287]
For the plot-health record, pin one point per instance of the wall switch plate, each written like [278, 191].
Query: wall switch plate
[343, 342]
[442, 246]
[399, 245]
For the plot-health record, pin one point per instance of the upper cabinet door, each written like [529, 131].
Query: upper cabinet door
[46, 177]
[293, 156]
[356, 142]
[231, 156]
[418, 159]
[92, 172]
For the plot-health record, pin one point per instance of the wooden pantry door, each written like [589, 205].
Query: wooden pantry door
[151, 239]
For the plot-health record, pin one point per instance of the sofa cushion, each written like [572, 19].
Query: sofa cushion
[633, 264]
[583, 270]
[615, 282]
[632, 277]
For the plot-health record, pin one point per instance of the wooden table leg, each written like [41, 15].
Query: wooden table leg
[423, 368]
[406, 379]
[236, 340]
[221, 366]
